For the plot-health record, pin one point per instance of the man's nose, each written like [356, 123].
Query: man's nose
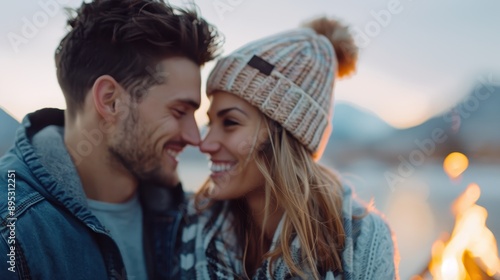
[191, 133]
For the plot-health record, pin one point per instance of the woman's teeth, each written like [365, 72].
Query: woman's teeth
[220, 167]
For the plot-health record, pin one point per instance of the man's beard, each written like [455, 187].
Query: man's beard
[133, 149]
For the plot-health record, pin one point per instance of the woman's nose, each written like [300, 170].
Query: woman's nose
[209, 144]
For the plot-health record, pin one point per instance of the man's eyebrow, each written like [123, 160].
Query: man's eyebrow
[225, 111]
[189, 102]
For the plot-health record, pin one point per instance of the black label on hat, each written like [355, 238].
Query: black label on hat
[260, 64]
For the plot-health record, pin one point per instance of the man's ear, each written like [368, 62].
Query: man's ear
[106, 92]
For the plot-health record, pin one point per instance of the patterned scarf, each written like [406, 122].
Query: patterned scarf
[210, 250]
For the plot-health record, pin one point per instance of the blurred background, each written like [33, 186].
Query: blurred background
[427, 85]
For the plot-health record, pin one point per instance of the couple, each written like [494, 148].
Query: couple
[95, 190]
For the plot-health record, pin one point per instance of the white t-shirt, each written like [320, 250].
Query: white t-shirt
[124, 223]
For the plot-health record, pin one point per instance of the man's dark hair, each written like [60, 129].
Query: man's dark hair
[126, 39]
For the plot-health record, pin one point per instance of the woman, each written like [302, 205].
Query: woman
[270, 210]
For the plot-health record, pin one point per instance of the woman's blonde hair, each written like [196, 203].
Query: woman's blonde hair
[310, 196]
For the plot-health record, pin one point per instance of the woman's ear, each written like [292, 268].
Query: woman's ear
[106, 93]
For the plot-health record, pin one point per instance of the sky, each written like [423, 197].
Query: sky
[417, 57]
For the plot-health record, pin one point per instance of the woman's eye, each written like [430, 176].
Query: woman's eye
[229, 123]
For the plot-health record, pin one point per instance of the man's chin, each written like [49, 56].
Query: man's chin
[172, 181]
[168, 180]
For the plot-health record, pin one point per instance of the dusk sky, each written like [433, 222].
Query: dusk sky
[417, 58]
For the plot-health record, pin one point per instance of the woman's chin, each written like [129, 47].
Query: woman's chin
[218, 191]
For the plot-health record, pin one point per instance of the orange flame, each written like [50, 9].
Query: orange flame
[470, 236]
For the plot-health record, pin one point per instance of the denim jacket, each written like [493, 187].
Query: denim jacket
[46, 228]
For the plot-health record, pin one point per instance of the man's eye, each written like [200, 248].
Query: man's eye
[178, 113]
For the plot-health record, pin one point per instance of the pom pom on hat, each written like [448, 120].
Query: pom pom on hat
[346, 50]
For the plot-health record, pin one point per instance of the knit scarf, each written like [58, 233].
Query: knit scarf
[210, 249]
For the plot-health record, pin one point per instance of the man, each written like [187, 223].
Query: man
[84, 192]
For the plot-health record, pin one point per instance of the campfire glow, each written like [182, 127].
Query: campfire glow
[470, 244]
[470, 252]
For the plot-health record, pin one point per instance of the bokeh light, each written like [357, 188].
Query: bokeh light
[455, 164]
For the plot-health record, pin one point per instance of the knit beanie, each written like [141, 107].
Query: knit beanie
[289, 77]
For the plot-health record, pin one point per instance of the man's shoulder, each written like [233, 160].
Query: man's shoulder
[33, 226]
[36, 218]
[17, 188]
[20, 197]
[20, 192]
[41, 229]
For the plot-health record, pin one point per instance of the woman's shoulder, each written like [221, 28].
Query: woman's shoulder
[364, 220]
[373, 228]
[370, 219]
[374, 244]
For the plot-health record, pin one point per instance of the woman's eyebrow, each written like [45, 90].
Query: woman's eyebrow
[227, 110]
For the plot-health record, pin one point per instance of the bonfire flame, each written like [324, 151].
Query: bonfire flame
[471, 244]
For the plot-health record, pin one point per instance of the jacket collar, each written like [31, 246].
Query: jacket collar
[41, 143]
